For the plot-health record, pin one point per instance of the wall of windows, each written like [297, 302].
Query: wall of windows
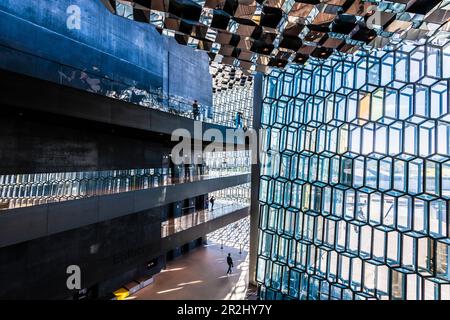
[24, 190]
[355, 177]
[227, 103]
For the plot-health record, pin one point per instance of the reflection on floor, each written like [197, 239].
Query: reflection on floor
[200, 274]
[236, 235]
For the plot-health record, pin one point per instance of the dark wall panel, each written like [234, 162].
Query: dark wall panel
[34, 142]
[37, 269]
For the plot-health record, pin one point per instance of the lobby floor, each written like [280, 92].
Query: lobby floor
[200, 274]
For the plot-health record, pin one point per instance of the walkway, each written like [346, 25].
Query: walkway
[221, 208]
[200, 274]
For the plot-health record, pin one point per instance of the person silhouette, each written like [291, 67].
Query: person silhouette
[230, 263]
[238, 120]
[196, 110]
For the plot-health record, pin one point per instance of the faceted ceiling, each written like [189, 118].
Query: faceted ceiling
[260, 35]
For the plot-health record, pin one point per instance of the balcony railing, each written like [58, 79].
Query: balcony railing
[24, 190]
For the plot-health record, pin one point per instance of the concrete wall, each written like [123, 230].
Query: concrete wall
[104, 45]
[110, 254]
[116, 46]
[112, 249]
[33, 142]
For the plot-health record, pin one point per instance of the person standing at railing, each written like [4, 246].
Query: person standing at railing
[196, 110]
[211, 200]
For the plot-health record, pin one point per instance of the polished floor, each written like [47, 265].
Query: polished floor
[200, 274]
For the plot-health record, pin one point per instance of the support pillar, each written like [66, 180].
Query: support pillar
[254, 208]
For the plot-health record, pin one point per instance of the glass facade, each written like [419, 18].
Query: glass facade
[355, 177]
[24, 190]
[227, 201]
[226, 104]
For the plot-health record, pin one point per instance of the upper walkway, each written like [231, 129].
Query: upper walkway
[24, 92]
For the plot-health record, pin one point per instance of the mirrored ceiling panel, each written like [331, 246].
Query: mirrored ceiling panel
[258, 35]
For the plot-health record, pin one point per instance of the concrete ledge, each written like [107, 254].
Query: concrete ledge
[24, 224]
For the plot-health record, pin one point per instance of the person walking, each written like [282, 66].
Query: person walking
[211, 200]
[230, 264]
[196, 110]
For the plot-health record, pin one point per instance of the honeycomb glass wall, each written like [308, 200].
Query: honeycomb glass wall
[355, 180]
